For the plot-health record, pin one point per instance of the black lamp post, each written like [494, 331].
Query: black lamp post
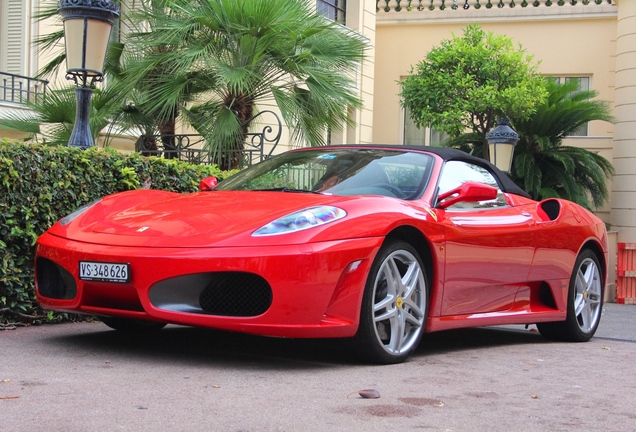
[501, 145]
[87, 26]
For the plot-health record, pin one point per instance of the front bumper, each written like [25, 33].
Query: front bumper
[315, 290]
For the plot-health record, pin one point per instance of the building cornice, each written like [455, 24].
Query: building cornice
[415, 17]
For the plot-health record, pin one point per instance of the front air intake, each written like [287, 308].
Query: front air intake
[53, 281]
[236, 294]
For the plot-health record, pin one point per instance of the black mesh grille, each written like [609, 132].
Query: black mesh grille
[54, 281]
[236, 294]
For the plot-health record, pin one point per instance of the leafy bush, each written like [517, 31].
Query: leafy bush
[41, 184]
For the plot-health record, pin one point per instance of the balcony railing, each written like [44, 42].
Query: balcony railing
[433, 5]
[189, 147]
[20, 89]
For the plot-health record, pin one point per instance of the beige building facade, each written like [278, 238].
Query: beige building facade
[593, 40]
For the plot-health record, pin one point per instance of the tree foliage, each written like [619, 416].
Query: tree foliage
[545, 167]
[469, 81]
[211, 63]
[240, 54]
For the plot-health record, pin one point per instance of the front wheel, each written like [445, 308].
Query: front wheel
[585, 303]
[393, 305]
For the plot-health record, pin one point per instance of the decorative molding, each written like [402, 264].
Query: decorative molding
[99, 4]
[104, 10]
[401, 13]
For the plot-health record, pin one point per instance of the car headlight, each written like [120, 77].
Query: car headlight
[301, 220]
[69, 218]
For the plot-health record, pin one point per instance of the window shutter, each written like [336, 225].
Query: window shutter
[13, 36]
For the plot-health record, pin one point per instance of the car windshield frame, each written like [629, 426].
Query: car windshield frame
[343, 171]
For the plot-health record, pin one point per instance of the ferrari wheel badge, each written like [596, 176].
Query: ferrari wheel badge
[399, 302]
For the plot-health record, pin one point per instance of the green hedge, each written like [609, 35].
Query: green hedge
[40, 184]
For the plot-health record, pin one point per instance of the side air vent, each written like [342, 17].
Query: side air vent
[549, 209]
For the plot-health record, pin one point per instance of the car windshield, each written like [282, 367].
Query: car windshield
[391, 173]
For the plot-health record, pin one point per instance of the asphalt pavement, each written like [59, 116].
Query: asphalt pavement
[618, 322]
[85, 377]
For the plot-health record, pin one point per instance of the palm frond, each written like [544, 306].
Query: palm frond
[183, 57]
[547, 168]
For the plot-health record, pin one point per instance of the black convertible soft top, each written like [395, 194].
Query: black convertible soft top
[449, 154]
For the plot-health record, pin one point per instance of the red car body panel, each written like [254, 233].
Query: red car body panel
[299, 308]
[486, 267]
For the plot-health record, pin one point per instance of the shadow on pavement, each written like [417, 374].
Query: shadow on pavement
[196, 345]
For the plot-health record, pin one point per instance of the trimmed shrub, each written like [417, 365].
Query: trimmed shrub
[41, 184]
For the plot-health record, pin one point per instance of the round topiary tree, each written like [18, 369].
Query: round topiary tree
[469, 81]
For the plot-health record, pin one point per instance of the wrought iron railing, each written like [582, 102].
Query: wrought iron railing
[20, 89]
[192, 148]
[432, 5]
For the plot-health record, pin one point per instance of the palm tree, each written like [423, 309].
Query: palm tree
[209, 63]
[545, 167]
[542, 165]
[229, 56]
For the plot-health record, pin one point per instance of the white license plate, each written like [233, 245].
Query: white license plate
[104, 272]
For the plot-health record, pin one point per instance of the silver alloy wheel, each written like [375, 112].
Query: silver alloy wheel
[399, 304]
[587, 295]
[585, 302]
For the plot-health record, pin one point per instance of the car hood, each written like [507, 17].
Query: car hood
[216, 218]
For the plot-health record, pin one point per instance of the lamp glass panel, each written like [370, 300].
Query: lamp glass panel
[73, 39]
[501, 155]
[97, 35]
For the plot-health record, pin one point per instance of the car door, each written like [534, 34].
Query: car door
[489, 246]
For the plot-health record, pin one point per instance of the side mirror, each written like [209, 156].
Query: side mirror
[467, 192]
[208, 183]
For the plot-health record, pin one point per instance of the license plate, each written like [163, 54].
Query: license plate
[104, 272]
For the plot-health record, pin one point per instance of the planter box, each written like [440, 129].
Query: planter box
[626, 273]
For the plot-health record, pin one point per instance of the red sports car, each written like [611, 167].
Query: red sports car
[379, 244]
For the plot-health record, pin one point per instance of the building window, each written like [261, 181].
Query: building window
[584, 85]
[333, 9]
[414, 135]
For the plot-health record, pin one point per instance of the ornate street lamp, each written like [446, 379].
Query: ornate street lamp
[501, 145]
[87, 26]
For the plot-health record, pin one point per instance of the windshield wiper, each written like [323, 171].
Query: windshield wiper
[286, 189]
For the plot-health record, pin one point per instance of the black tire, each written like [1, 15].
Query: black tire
[394, 305]
[585, 302]
[132, 325]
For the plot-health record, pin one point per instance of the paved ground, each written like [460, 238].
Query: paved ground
[83, 377]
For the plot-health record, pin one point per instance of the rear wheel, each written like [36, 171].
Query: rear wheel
[132, 325]
[393, 305]
[585, 303]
